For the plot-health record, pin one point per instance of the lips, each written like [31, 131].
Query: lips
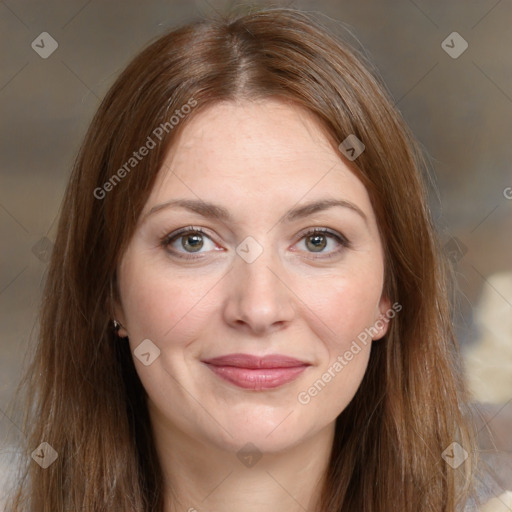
[255, 372]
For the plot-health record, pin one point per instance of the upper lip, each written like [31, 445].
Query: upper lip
[251, 361]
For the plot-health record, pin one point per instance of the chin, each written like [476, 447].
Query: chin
[274, 434]
[254, 440]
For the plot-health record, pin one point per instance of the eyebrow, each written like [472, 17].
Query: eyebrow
[214, 211]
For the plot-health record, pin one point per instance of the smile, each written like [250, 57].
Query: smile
[257, 373]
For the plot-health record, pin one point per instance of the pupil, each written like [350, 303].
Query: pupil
[195, 246]
[316, 247]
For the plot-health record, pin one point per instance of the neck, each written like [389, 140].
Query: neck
[201, 476]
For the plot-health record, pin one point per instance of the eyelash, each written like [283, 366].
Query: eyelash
[169, 238]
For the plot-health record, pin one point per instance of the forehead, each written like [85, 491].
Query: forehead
[267, 150]
[271, 127]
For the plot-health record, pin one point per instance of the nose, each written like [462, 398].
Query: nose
[258, 298]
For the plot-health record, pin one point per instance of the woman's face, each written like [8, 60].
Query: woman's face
[255, 179]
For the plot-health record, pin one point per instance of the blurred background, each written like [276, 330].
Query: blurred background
[448, 66]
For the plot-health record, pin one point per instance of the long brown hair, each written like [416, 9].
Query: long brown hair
[83, 394]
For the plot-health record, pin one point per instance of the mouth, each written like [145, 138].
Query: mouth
[255, 372]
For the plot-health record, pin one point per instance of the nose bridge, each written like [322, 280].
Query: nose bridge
[258, 295]
[253, 266]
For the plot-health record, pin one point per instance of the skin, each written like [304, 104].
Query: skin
[258, 160]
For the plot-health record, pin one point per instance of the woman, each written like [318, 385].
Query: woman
[246, 306]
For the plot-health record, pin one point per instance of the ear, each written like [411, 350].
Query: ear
[382, 317]
[120, 318]
[118, 313]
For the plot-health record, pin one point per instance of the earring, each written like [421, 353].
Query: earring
[117, 326]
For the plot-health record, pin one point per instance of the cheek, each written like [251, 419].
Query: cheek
[163, 307]
[340, 316]
[344, 306]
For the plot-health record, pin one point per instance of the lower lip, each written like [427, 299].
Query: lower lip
[257, 378]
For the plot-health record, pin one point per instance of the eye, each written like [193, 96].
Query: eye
[317, 239]
[185, 241]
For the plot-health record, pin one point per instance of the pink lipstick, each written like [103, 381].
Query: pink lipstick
[255, 372]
